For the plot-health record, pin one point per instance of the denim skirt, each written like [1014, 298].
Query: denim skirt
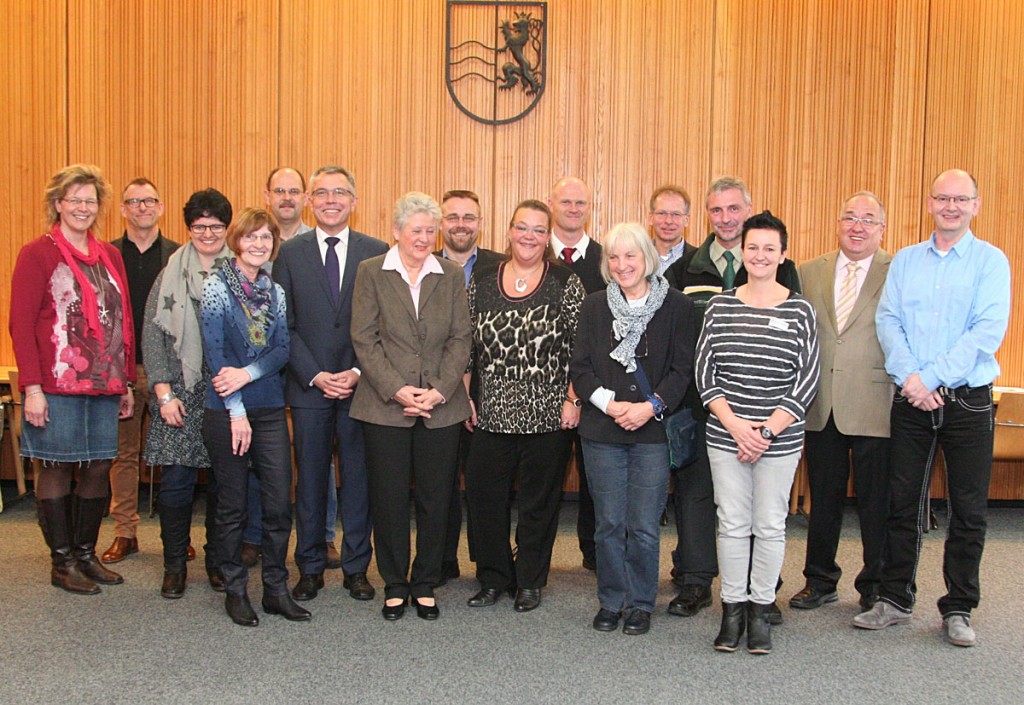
[81, 428]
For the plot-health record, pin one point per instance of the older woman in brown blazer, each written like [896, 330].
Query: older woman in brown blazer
[411, 334]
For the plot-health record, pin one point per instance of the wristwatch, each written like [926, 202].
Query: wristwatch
[768, 434]
[165, 399]
[575, 401]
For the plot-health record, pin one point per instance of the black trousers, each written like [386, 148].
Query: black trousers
[829, 455]
[585, 521]
[271, 459]
[695, 557]
[454, 528]
[394, 457]
[494, 461]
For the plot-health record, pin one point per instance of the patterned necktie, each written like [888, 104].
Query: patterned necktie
[729, 275]
[333, 270]
[567, 253]
[847, 295]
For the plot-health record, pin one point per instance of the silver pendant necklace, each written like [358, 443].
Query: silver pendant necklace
[521, 282]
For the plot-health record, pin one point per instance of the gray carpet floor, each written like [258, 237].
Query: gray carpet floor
[128, 645]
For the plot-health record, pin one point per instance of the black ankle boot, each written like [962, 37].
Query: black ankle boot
[53, 520]
[734, 617]
[174, 532]
[759, 631]
[88, 515]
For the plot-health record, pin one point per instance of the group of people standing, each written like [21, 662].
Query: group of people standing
[415, 363]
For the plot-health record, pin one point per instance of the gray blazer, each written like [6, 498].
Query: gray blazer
[396, 347]
[320, 339]
[854, 386]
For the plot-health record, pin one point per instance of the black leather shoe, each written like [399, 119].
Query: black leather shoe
[638, 622]
[759, 630]
[216, 579]
[690, 600]
[285, 606]
[734, 623]
[485, 598]
[393, 613]
[811, 598]
[308, 586]
[427, 612]
[589, 564]
[173, 586]
[868, 601]
[240, 611]
[527, 599]
[358, 586]
[773, 614]
[606, 620]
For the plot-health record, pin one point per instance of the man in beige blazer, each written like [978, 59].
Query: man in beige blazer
[849, 419]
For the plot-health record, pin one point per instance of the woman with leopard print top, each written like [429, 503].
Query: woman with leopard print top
[524, 313]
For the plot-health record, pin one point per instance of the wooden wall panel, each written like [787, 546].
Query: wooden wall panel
[186, 94]
[33, 141]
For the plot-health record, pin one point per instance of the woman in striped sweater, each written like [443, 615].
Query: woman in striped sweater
[757, 371]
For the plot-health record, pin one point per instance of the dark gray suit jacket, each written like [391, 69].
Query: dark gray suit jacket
[320, 331]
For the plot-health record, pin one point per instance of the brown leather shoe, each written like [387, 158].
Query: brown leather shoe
[333, 557]
[121, 549]
[190, 555]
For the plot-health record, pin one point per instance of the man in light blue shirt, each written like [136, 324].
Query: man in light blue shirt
[942, 316]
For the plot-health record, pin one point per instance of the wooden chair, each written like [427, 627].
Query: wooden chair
[1009, 431]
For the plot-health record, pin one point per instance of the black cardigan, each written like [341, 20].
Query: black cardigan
[667, 346]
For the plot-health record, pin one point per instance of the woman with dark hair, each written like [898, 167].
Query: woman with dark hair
[757, 371]
[524, 312]
[172, 347]
[71, 325]
[245, 339]
[410, 330]
[632, 363]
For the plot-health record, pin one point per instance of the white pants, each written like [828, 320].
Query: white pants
[753, 500]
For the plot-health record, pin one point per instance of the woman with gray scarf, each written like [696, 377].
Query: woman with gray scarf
[172, 345]
[638, 325]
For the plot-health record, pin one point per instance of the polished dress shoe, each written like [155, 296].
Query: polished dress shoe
[240, 611]
[734, 623]
[606, 620]
[759, 629]
[773, 614]
[393, 613]
[284, 605]
[190, 554]
[120, 549]
[485, 598]
[250, 554]
[333, 557]
[216, 579]
[690, 600]
[868, 601]
[811, 598]
[173, 586]
[527, 599]
[427, 612]
[637, 622]
[308, 586]
[358, 586]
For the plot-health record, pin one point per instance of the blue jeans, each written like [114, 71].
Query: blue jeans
[254, 527]
[963, 428]
[629, 483]
[177, 485]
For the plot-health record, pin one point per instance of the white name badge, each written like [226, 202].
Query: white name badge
[778, 324]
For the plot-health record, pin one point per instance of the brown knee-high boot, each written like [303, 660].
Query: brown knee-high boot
[88, 514]
[53, 520]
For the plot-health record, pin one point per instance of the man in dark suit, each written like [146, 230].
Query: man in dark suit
[460, 228]
[317, 270]
[145, 251]
[848, 422]
[715, 266]
[571, 203]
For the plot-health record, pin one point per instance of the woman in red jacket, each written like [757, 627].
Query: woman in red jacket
[71, 323]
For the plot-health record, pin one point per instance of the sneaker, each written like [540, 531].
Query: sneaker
[882, 615]
[959, 631]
